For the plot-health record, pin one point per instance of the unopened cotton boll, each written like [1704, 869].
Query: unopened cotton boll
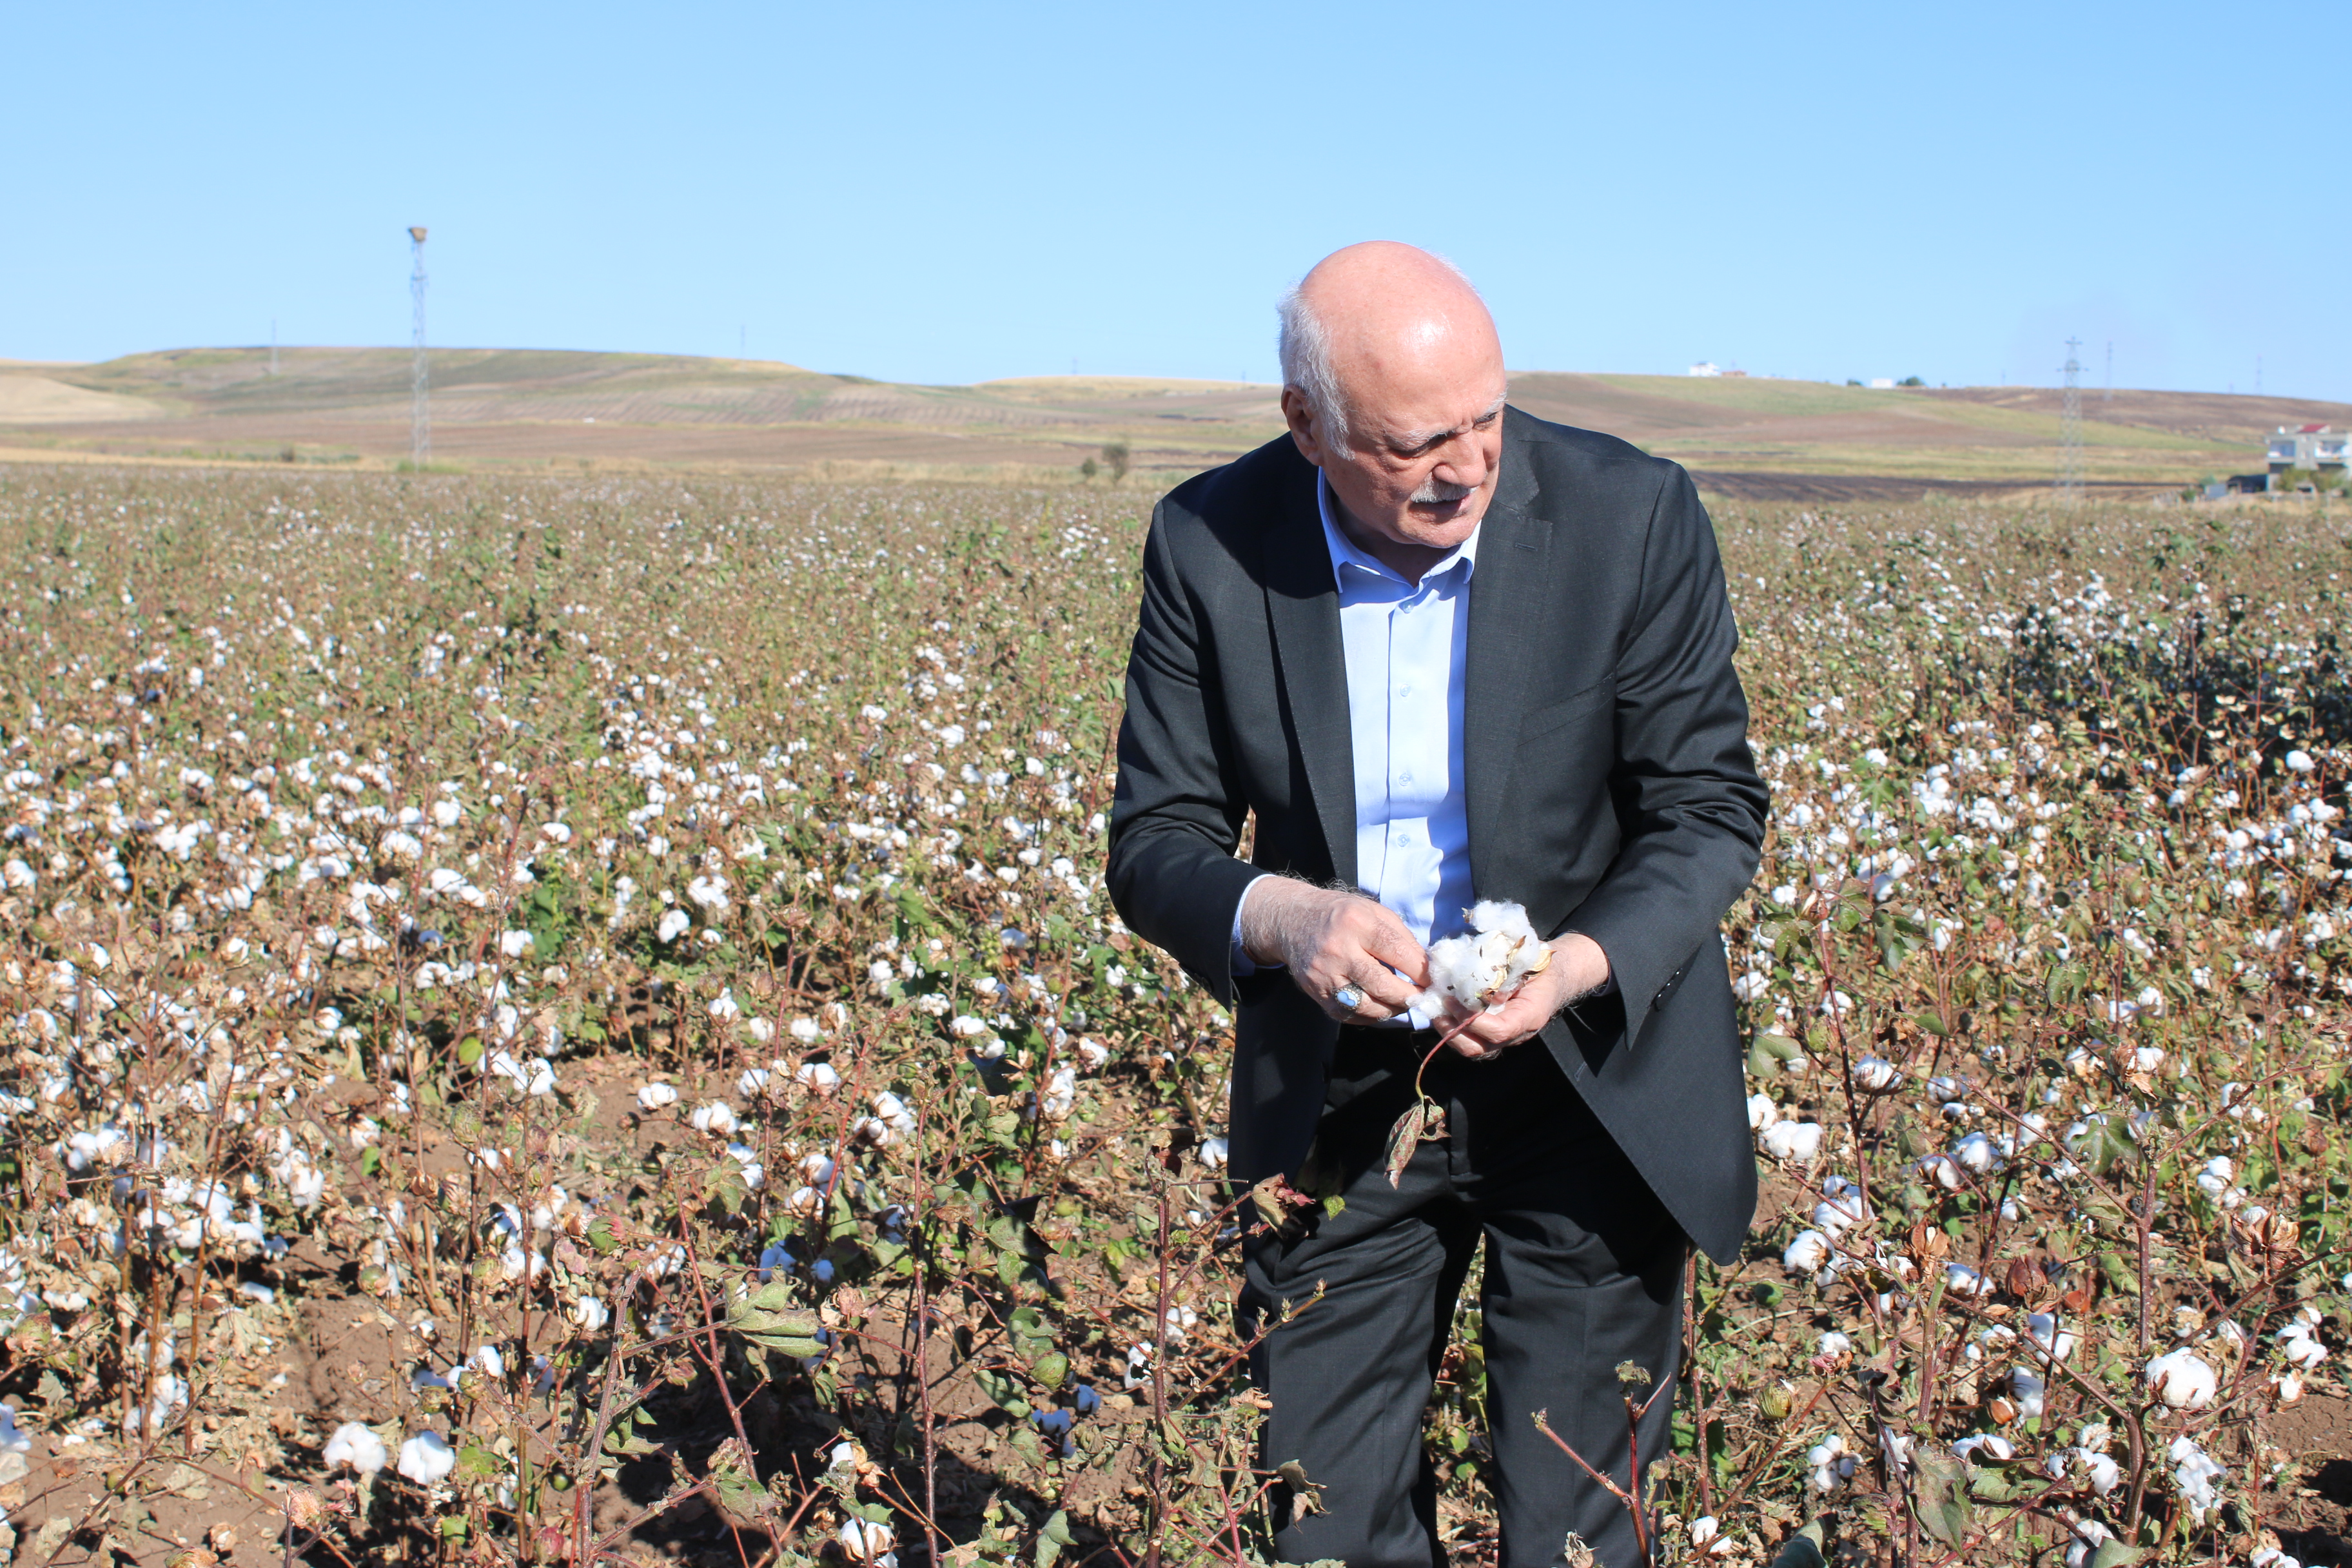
[428, 1459]
[355, 1446]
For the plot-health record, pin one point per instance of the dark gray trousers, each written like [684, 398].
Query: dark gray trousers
[1583, 1271]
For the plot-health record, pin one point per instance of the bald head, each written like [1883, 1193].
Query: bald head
[1380, 323]
[1394, 384]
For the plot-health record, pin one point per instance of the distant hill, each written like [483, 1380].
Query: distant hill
[532, 408]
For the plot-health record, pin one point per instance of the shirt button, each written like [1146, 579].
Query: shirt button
[1404, 778]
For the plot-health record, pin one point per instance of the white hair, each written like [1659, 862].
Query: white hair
[1304, 345]
[1306, 350]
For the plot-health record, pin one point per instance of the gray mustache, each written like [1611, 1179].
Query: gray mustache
[1436, 492]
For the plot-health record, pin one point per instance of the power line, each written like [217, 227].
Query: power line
[2070, 450]
[420, 419]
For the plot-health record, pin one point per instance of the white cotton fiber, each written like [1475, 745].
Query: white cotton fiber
[1480, 969]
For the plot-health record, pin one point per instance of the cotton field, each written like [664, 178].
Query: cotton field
[578, 1021]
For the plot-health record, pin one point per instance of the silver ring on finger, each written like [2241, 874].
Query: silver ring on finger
[1350, 997]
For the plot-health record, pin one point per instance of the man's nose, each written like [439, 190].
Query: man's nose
[1462, 461]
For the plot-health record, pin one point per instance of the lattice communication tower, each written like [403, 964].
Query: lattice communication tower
[420, 419]
[2069, 441]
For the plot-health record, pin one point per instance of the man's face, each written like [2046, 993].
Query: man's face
[1425, 440]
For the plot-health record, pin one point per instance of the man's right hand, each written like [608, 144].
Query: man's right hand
[1328, 939]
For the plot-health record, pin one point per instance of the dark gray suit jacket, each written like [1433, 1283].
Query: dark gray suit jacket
[1608, 783]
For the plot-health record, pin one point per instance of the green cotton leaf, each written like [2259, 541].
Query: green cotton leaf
[726, 1188]
[733, 1477]
[769, 1319]
[841, 1219]
[1004, 1391]
[477, 1463]
[1052, 1538]
[1944, 1512]
[1032, 1335]
[2114, 1554]
[2120, 1275]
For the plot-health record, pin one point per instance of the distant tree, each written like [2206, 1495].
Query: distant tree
[1115, 458]
[1087, 470]
[1850, 382]
[1910, 380]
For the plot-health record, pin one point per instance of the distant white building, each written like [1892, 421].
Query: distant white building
[1706, 367]
[1882, 383]
[2307, 446]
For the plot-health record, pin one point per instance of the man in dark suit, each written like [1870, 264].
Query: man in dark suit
[1441, 650]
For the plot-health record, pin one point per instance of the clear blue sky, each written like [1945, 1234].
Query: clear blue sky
[952, 193]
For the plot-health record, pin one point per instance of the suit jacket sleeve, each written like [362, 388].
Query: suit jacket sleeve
[1684, 786]
[1176, 818]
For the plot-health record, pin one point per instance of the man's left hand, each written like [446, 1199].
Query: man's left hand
[1578, 968]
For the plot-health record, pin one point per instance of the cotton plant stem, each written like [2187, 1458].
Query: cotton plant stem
[1442, 1041]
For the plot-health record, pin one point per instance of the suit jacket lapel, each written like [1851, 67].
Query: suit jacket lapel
[1302, 604]
[1507, 602]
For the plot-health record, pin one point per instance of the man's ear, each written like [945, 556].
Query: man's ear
[1299, 415]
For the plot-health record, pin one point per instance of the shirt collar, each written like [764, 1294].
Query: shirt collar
[1345, 553]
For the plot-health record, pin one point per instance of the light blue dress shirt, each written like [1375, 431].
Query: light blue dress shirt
[1404, 645]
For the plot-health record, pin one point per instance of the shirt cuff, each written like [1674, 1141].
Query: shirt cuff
[1243, 963]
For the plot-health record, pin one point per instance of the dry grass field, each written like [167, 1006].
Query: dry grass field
[524, 410]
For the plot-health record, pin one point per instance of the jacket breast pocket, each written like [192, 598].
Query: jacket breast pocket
[1569, 709]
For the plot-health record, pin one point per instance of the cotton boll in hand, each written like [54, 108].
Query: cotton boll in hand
[1479, 970]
